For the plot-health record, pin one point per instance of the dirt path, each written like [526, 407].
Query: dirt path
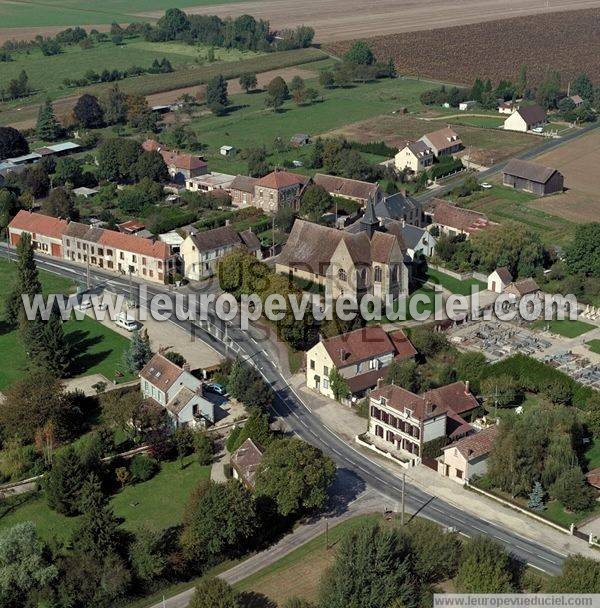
[64, 106]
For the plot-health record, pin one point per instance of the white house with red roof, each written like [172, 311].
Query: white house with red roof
[468, 456]
[361, 356]
[401, 422]
[178, 391]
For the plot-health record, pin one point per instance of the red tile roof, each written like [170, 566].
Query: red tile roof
[453, 396]
[593, 477]
[476, 445]
[404, 347]
[399, 398]
[131, 226]
[37, 223]
[134, 244]
[281, 179]
[178, 159]
[358, 345]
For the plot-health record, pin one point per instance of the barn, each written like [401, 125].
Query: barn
[531, 177]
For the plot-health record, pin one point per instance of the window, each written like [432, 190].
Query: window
[407, 412]
[342, 275]
[133, 259]
[378, 274]
[326, 370]
[121, 255]
[312, 364]
[459, 473]
[325, 383]
[144, 261]
[383, 401]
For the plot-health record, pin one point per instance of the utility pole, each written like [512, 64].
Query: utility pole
[403, 486]
[327, 534]
[87, 273]
[273, 237]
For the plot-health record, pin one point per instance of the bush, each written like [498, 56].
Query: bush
[143, 468]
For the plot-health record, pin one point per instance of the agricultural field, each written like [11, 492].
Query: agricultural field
[332, 21]
[565, 41]
[395, 130]
[503, 204]
[38, 13]
[578, 160]
[22, 113]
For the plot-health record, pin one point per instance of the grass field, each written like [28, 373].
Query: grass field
[454, 285]
[73, 62]
[249, 123]
[502, 204]
[23, 112]
[101, 349]
[594, 346]
[80, 12]
[156, 504]
[566, 327]
[488, 122]
[298, 573]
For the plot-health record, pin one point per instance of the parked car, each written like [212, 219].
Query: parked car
[215, 387]
[84, 304]
[126, 322]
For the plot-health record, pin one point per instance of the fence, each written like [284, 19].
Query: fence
[460, 276]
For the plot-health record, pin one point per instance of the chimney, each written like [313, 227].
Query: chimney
[467, 390]
[379, 383]
[227, 222]
[186, 367]
[342, 354]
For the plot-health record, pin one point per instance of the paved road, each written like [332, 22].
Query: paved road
[297, 414]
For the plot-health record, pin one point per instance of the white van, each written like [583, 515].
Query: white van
[125, 321]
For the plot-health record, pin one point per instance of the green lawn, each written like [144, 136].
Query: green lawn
[249, 123]
[39, 13]
[100, 350]
[594, 346]
[488, 122]
[73, 62]
[454, 285]
[421, 307]
[157, 504]
[592, 454]
[566, 327]
[502, 204]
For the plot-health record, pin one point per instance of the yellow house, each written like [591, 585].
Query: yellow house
[361, 356]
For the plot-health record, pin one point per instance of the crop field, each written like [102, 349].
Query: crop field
[333, 20]
[396, 130]
[578, 161]
[39, 13]
[22, 113]
[566, 41]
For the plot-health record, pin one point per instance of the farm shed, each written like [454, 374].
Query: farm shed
[531, 177]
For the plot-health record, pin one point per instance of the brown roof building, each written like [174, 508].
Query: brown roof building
[402, 422]
[361, 356]
[352, 189]
[181, 166]
[453, 220]
[531, 177]
[370, 259]
[525, 119]
[467, 457]
[523, 287]
[443, 141]
[245, 462]
[202, 251]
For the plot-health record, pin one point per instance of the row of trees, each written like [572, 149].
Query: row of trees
[243, 33]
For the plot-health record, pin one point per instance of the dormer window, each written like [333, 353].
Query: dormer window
[407, 412]
[383, 401]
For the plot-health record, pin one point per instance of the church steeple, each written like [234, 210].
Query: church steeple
[369, 219]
